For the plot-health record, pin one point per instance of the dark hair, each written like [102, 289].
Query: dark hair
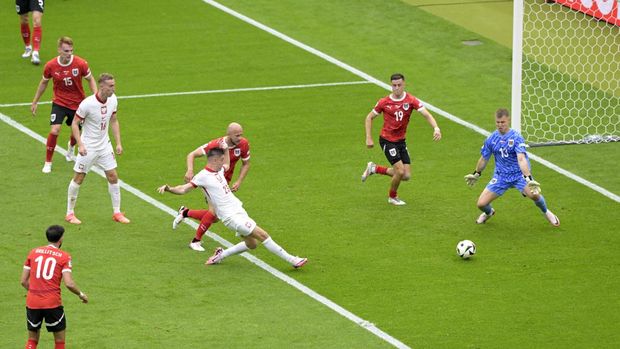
[397, 76]
[501, 112]
[215, 152]
[54, 233]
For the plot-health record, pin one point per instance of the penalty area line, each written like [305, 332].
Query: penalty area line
[260, 263]
[206, 92]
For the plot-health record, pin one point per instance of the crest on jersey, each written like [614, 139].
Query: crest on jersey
[406, 106]
[75, 71]
[53, 117]
[104, 109]
[237, 152]
[511, 142]
[392, 152]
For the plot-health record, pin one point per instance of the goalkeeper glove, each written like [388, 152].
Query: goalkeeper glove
[472, 178]
[533, 185]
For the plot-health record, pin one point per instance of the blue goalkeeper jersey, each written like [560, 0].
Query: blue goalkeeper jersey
[505, 148]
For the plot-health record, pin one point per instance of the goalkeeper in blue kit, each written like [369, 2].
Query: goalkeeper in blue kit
[512, 170]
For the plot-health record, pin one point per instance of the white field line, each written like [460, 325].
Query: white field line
[206, 92]
[301, 287]
[429, 106]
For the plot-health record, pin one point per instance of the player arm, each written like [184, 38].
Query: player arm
[368, 126]
[25, 279]
[199, 152]
[431, 121]
[116, 130]
[245, 167]
[524, 165]
[481, 165]
[67, 278]
[37, 95]
[178, 190]
[91, 83]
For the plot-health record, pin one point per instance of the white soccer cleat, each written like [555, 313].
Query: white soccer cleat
[216, 258]
[179, 218]
[70, 152]
[196, 246]
[396, 202]
[299, 262]
[485, 217]
[27, 52]
[369, 171]
[552, 218]
[35, 58]
[71, 218]
[47, 167]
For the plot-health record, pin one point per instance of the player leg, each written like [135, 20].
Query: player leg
[539, 201]
[114, 189]
[70, 114]
[24, 26]
[56, 322]
[34, 320]
[57, 116]
[72, 195]
[37, 15]
[490, 193]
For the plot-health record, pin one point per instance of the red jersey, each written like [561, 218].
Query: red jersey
[239, 151]
[68, 90]
[396, 114]
[46, 265]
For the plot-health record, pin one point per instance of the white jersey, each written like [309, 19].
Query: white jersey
[216, 190]
[95, 116]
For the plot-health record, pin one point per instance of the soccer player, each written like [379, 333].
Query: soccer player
[512, 170]
[24, 7]
[97, 113]
[44, 269]
[238, 148]
[396, 109]
[230, 211]
[67, 71]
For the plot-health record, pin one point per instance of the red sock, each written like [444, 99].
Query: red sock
[51, 145]
[36, 38]
[31, 344]
[72, 140]
[196, 214]
[205, 223]
[59, 345]
[393, 193]
[25, 29]
[381, 169]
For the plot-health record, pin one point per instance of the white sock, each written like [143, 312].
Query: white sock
[236, 249]
[274, 248]
[115, 195]
[72, 194]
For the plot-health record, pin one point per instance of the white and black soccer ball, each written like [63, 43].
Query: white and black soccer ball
[466, 249]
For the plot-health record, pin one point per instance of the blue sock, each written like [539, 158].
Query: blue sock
[487, 209]
[542, 205]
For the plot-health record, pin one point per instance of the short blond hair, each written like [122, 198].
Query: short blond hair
[65, 40]
[501, 112]
[105, 77]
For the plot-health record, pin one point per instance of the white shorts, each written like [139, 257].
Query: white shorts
[240, 223]
[104, 158]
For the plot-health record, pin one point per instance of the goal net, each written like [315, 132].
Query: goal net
[566, 74]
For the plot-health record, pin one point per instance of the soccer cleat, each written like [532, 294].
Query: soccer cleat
[196, 246]
[47, 167]
[120, 217]
[369, 171]
[70, 152]
[485, 217]
[27, 52]
[552, 218]
[35, 58]
[71, 218]
[216, 258]
[299, 262]
[179, 218]
[396, 202]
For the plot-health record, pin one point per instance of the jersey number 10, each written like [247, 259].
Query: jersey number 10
[47, 267]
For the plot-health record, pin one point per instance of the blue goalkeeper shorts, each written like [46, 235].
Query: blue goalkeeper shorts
[499, 183]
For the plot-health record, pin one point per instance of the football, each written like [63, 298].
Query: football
[466, 249]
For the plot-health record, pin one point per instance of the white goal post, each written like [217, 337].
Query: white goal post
[566, 72]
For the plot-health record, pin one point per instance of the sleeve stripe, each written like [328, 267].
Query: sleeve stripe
[79, 116]
[26, 267]
[374, 111]
[193, 184]
[66, 270]
[245, 159]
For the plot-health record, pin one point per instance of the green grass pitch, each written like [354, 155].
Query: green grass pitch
[529, 286]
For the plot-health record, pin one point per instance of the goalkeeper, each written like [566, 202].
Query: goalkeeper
[512, 169]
